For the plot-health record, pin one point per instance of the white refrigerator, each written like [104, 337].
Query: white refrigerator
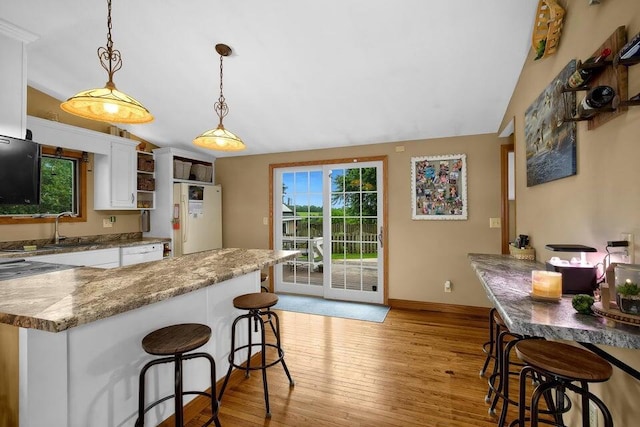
[197, 218]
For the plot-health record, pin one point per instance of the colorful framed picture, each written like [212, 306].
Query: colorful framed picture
[439, 187]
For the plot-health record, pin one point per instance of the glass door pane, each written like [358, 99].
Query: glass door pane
[301, 219]
[355, 252]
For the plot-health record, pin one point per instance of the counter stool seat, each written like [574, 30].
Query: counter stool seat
[176, 339]
[173, 342]
[258, 305]
[561, 366]
[255, 301]
[564, 360]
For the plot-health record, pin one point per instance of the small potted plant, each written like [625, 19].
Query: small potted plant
[628, 297]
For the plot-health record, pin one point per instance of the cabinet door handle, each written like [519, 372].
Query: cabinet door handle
[132, 195]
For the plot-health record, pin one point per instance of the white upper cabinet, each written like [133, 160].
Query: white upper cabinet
[13, 79]
[115, 177]
[55, 134]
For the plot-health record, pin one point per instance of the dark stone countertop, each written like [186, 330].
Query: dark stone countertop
[507, 281]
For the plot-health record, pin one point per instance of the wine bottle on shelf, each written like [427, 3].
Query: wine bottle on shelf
[581, 76]
[596, 98]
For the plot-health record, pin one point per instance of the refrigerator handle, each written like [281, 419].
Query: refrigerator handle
[185, 218]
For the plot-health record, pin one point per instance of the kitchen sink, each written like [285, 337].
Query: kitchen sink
[49, 247]
[66, 245]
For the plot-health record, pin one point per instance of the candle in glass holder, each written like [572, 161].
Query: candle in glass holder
[546, 284]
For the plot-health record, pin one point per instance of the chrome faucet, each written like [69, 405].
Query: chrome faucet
[56, 235]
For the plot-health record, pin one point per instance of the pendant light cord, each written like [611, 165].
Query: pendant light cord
[110, 58]
[221, 107]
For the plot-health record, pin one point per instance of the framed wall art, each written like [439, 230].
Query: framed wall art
[550, 140]
[439, 187]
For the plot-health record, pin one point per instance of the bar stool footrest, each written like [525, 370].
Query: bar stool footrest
[256, 367]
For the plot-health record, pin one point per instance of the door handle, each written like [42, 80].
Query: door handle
[381, 238]
[185, 219]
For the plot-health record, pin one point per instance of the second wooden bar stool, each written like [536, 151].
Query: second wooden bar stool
[563, 367]
[259, 306]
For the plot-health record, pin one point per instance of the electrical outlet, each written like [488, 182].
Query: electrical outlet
[447, 286]
[106, 223]
[631, 248]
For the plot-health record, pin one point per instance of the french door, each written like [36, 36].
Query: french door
[333, 215]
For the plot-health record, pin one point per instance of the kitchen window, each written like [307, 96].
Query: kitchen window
[63, 177]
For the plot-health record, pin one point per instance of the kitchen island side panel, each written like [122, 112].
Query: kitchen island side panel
[88, 375]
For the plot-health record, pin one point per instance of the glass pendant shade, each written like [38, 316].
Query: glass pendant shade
[107, 104]
[219, 139]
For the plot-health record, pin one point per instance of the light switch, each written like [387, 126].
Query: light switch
[265, 220]
[494, 223]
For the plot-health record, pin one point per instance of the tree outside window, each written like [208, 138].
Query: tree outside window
[59, 178]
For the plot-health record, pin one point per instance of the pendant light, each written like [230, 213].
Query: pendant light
[108, 104]
[220, 138]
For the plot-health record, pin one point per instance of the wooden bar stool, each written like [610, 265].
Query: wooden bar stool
[173, 342]
[258, 304]
[499, 379]
[496, 325]
[562, 366]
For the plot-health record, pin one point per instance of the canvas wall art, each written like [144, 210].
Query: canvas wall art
[551, 141]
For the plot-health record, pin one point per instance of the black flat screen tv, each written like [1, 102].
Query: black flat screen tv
[19, 171]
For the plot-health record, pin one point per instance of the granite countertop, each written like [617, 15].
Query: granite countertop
[64, 299]
[507, 281]
[12, 250]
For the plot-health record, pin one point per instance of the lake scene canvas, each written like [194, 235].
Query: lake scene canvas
[551, 141]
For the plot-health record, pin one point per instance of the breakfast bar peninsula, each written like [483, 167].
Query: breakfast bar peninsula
[508, 284]
[80, 331]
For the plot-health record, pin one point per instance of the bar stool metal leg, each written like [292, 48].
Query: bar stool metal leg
[178, 390]
[490, 352]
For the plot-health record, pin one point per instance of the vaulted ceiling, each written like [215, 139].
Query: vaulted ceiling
[303, 74]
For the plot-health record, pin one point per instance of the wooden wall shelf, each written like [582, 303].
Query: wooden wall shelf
[612, 75]
[616, 77]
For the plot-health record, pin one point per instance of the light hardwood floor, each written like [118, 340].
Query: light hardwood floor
[418, 368]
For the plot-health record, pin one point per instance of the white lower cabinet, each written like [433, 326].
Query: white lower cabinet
[99, 258]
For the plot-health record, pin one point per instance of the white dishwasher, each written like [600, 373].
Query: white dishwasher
[130, 255]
